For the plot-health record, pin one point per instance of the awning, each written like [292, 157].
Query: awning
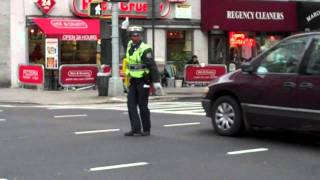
[70, 29]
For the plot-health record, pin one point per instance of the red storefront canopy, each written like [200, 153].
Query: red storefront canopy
[70, 29]
[245, 15]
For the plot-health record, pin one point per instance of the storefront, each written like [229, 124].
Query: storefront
[57, 41]
[308, 16]
[35, 26]
[174, 26]
[238, 30]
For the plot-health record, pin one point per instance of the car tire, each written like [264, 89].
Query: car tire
[227, 116]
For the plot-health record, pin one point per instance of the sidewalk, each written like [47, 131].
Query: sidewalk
[44, 97]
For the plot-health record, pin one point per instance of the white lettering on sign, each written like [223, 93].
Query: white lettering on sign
[313, 15]
[66, 24]
[80, 73]
[30, 74]
[255, 15]
[79, 37]
[203, 72]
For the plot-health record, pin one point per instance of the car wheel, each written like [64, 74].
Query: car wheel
[226, 116]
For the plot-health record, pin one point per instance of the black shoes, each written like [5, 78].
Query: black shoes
[137, 133]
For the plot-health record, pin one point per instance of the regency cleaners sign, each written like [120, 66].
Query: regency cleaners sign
[255, 15]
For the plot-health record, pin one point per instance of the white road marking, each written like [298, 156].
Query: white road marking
[118, 166]
[96, 131]
[3, 105]
[3, 179]
[183, 124]
[247, 151]
[2, 120]
[1, 111]
[70, 116]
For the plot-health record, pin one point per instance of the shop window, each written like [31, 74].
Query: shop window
[78, 52]
[36, 45]
[179, 49]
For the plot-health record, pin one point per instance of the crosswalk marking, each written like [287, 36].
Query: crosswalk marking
[172, 107]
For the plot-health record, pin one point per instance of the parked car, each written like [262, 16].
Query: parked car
[280, 88]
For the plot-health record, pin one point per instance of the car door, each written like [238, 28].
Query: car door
[309, 88]
[274, 84]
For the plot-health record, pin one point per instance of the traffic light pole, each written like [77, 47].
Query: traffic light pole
[115, 82]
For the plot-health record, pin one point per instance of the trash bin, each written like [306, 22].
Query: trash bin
[103, 83]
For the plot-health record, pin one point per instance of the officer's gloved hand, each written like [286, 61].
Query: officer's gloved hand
[158, 89]
[125, 23]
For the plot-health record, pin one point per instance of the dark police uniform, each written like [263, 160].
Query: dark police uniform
[142, 71]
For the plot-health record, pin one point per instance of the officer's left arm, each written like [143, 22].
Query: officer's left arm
[148, 60]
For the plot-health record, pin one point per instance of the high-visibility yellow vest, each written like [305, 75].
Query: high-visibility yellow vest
[135, 67]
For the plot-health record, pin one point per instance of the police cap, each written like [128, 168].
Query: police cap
[135, 30]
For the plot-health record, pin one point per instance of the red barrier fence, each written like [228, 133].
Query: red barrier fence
[31, 74]
[203, 74]
[78, 75]
[108, 69]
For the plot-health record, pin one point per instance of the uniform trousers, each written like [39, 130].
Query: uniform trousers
[138, 96]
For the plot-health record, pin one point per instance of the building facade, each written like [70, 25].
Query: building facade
[34, 24]
[5, 65]
[238, 29]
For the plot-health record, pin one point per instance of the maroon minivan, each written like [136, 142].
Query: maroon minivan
[280, 88]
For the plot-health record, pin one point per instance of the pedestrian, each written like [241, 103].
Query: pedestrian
[142, 72]
[193, 60]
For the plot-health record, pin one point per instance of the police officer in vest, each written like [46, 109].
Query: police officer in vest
[143, 72]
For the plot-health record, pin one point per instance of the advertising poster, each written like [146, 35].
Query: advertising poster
[52, 55]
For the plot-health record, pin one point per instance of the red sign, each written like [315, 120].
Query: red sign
[196, 73]
[31, 74]
[46, 5]
[77, 75]
[132, 9]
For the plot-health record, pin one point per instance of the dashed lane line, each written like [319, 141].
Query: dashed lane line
[247, 151]
[71, 116]
[1, 111]
[96, 131]
[182, 124]
[3, 120]
[104, 168]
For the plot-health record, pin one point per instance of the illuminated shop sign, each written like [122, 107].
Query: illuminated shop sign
[45, 5]
[240, 39]
[132, 9]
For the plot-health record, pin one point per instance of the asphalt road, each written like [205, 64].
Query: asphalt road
[62, 143]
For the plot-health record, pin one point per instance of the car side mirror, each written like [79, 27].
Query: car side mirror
[247, 67]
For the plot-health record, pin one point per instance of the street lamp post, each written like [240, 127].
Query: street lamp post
[115, 82]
